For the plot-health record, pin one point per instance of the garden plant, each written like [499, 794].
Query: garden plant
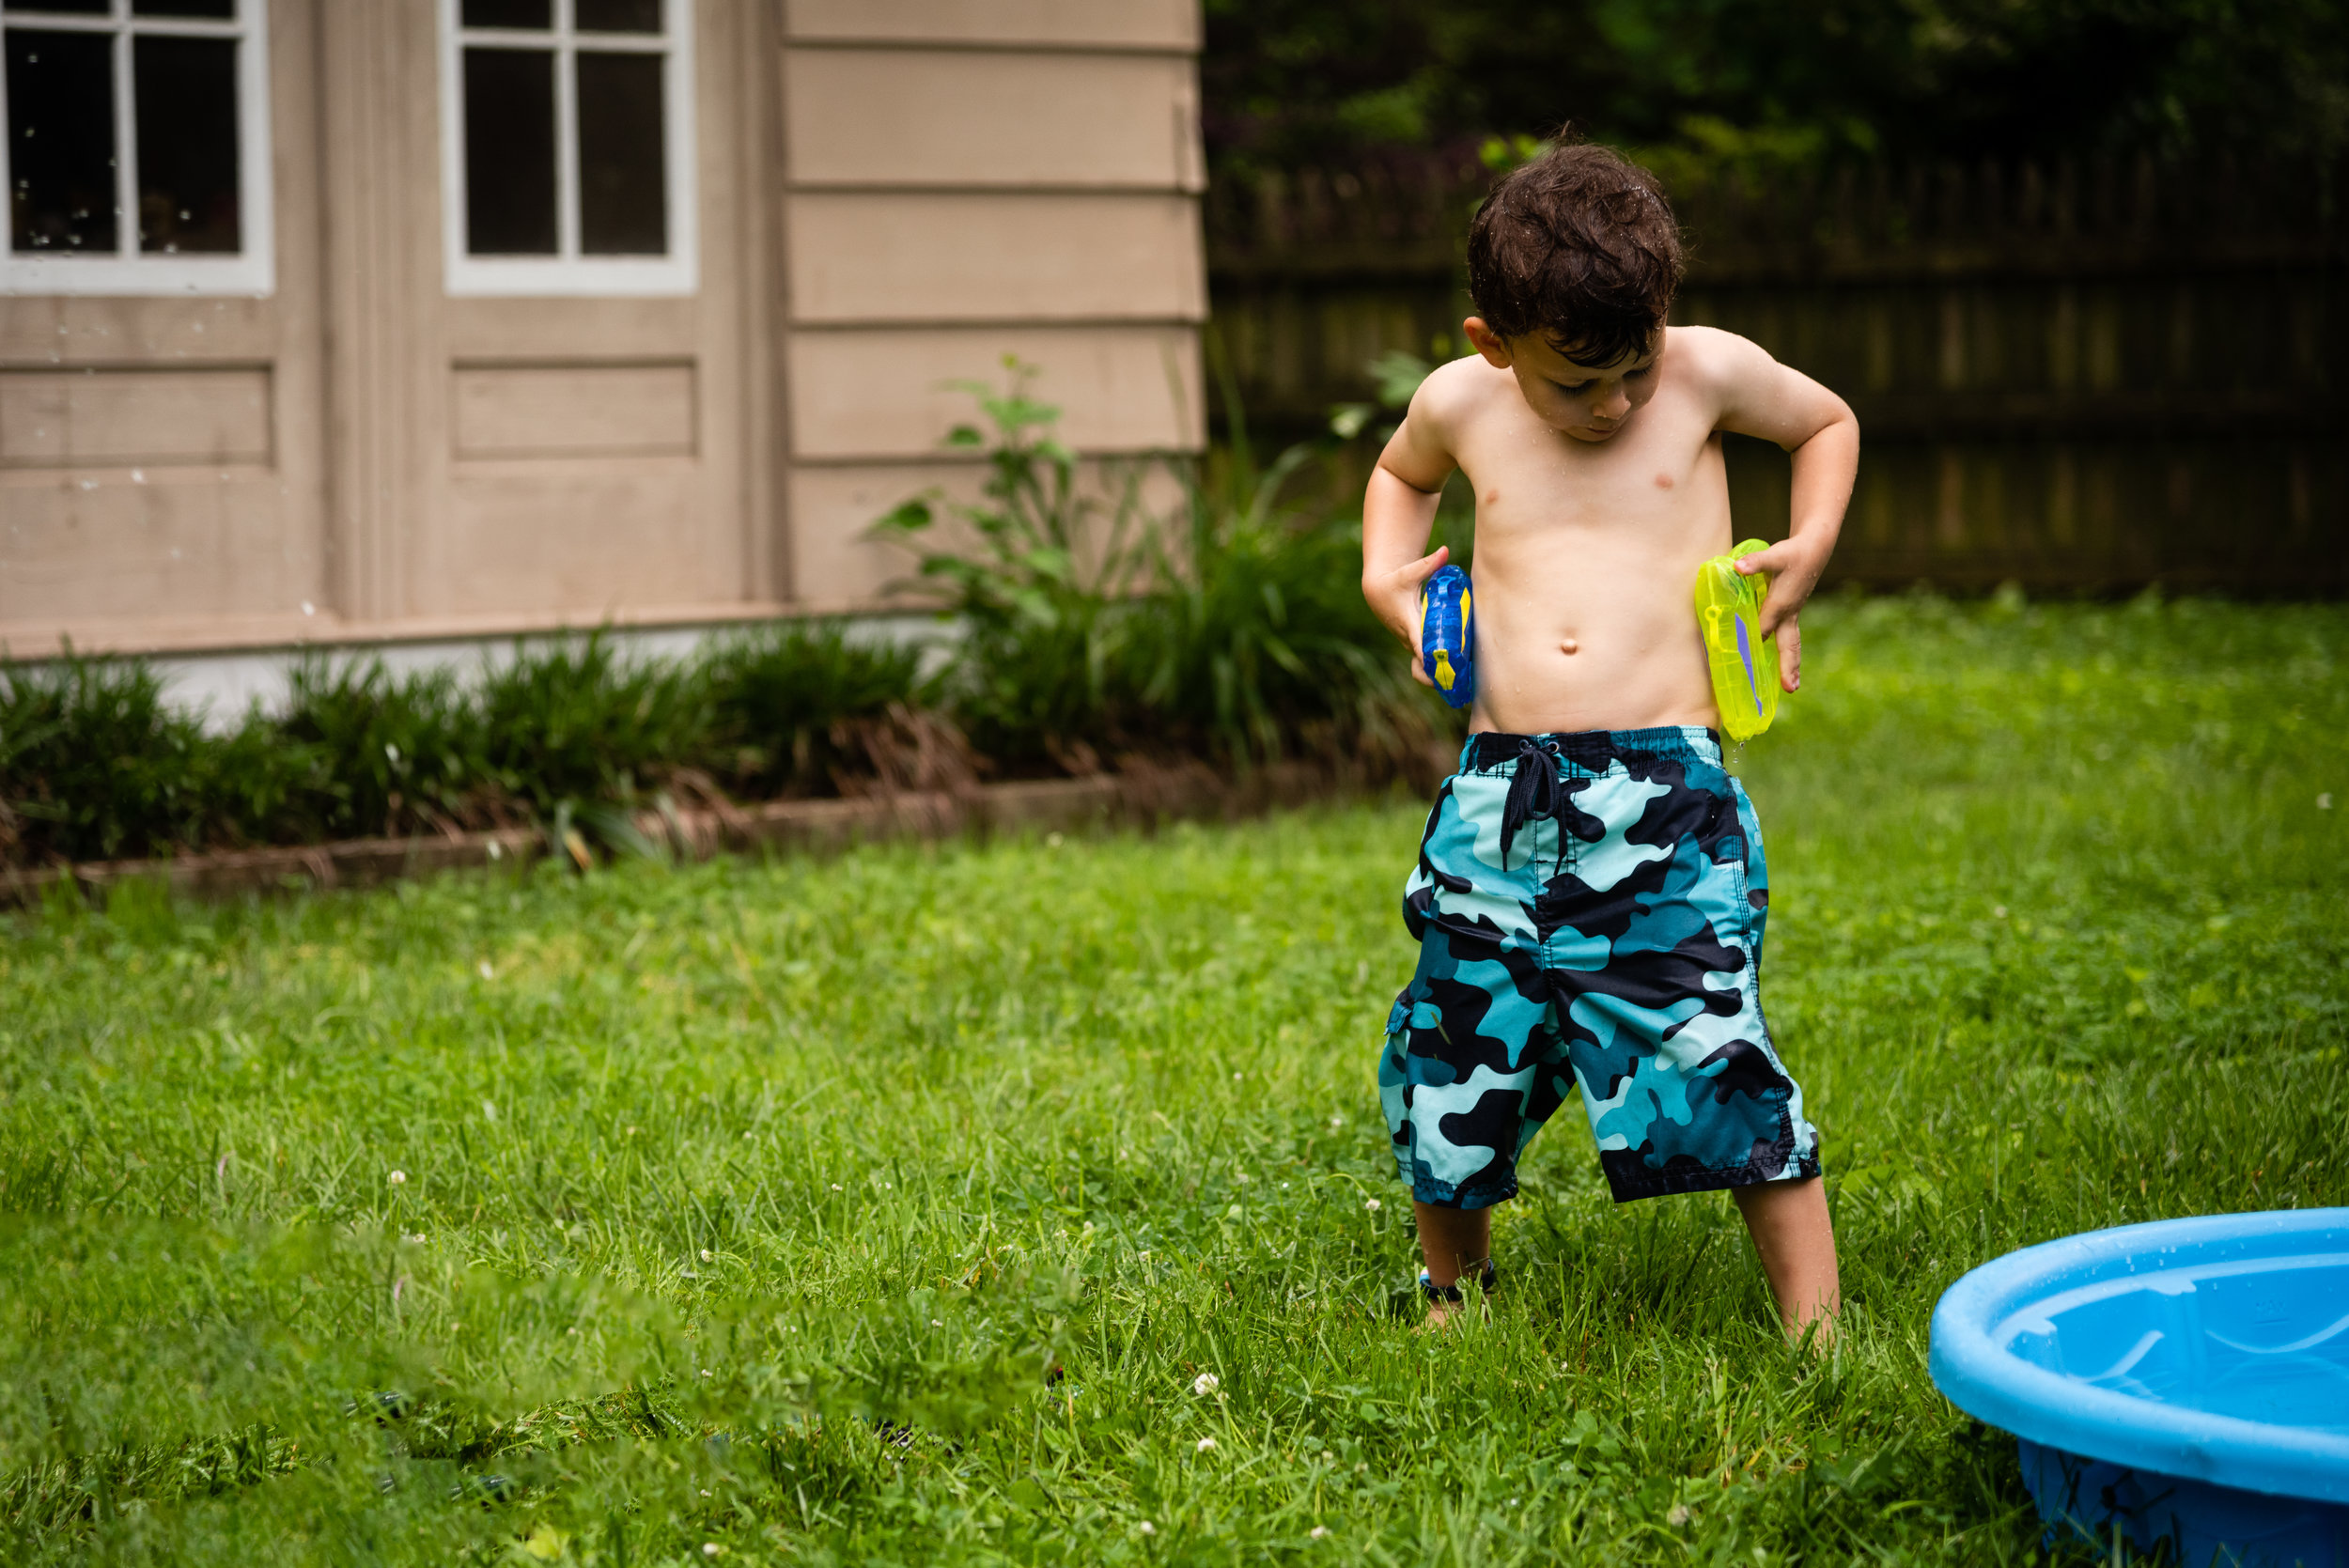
[1028, 1201]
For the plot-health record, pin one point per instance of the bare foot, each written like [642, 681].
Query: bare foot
[1442, 1314]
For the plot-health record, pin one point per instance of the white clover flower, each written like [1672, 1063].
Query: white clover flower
[487, 972]
[399, 1178]
[1206, 1445]
[1319, 1532]
[1678, 1516]
[708, 1256]
[938, 1323]
[838, 1187]
[712, 1548]
[1336, 1121]
[1206, 1383]
[1149, 1529]
[1371, 1204]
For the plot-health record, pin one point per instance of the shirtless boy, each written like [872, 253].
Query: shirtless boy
[1590, 895]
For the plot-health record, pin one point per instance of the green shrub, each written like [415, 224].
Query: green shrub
[94, 765]
[395, 753]
[569, 722]
[1256, 639]
[1043, 590]
[781, 699]
[1234, 628]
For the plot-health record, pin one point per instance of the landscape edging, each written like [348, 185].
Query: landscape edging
[1135, 797]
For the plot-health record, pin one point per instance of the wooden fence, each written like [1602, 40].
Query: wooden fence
[2086, 376]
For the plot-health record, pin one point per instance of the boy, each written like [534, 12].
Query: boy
[1590, 893]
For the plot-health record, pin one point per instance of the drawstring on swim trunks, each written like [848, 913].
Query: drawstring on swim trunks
[1533, 790]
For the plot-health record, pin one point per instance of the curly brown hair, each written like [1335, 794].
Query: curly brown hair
[1579, 245]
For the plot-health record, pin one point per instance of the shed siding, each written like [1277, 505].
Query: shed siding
[876, 257]
[1161, 24]
[972, 178]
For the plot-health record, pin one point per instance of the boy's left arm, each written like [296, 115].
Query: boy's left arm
[1762, 397]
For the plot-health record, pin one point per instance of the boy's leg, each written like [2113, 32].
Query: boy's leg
[1791, 1232]
[1473, 1062]
[1452, 1240]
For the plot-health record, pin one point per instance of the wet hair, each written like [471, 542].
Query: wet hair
[1580, 246]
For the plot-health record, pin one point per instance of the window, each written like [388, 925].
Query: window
[136, 157]
[567, 160]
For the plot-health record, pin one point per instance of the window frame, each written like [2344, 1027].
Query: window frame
[128, 271]
[570, 274]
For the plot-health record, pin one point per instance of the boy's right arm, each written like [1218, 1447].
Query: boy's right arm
[1398, 512]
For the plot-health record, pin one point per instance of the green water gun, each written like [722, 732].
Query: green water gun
[1742, 661]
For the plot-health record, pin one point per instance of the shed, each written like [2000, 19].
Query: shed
[359, 320]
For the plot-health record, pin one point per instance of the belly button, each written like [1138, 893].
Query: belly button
[1570, 646]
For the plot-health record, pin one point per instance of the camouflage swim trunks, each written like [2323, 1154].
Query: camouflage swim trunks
[1589, 908]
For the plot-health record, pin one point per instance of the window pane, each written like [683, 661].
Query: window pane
[616, 16]
[509, 13]
[509, 152]
[61, 141]
[184, 91]
[225, 10]
[623, 178]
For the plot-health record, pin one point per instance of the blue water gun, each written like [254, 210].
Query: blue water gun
[1447, 635]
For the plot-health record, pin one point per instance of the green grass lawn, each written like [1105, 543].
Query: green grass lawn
[738, 1211]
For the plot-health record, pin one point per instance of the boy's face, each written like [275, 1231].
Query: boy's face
[1589, 403]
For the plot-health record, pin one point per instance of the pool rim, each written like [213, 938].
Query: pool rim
[2003, 1390]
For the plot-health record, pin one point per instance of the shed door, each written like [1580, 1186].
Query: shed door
[563, 385]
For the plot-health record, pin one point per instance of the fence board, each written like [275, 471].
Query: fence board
[2086, 376]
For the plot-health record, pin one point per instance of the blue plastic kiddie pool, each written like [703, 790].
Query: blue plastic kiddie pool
[2186, 1381]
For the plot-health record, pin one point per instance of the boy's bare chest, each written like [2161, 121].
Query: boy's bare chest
[1661, 479]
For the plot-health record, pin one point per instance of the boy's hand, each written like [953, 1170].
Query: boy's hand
[1794, 567]
[1394, 597]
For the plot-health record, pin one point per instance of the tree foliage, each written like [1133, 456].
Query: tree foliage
[1290, 81]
